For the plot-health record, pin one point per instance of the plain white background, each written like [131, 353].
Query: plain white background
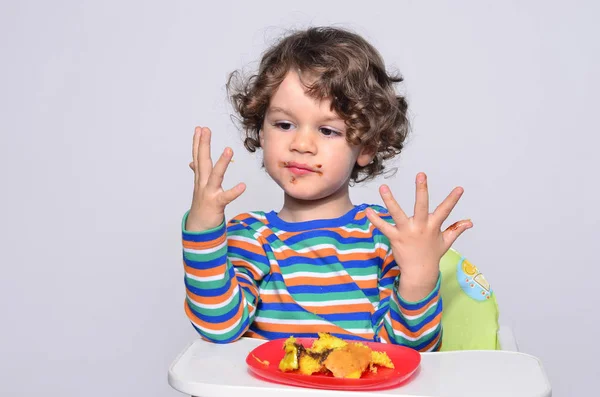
[98, 102]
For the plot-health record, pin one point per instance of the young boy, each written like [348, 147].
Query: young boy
[325, 113]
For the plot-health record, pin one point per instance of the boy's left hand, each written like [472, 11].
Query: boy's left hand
[418, 243]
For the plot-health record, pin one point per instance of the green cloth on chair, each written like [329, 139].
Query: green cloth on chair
[470, 312]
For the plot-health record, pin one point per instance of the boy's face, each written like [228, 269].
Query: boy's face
[304, 144]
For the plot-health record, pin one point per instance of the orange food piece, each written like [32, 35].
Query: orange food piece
[349, 361]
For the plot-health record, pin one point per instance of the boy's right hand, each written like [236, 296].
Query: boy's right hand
[209, 200]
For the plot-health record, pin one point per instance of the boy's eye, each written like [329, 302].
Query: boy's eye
[283, 125]
[329, 132]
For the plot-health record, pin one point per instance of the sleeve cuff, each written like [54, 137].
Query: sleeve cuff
[412, 306]
[203, 235]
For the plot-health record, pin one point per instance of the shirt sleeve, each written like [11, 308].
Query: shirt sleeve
[223, 270]
[414, 324]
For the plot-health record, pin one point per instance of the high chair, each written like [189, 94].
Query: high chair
[470, 311]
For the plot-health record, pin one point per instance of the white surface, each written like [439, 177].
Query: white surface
[98, 100]
[210, 370]
[507, 339]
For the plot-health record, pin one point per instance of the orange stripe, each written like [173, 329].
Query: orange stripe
[383, 334]
[245, 265]
[384, 293]
[214, 326]
[334, 280]
[386, 262]
[340, 232]
[246, 246]
[215, 271]
[200, 245]
[347, 308]
[277, 299]
[399, 327]
[241, 219]
[363, 215]
[417, 311]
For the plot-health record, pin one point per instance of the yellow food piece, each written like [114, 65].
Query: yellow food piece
[382, 359]
[289, 362]
[327, 342]
[309, 365]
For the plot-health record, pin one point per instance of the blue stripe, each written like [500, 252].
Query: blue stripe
[212, 291]
[357, 316]
[250, 256]
[203, 236]
[386, 282]
[388, 267]
[205, 264]
[424, 320]
[371, 291]
[282, 307]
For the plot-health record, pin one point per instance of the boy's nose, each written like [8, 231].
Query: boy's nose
[303, 141]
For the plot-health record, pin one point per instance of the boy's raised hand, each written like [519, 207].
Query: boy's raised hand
[417, 242]
[209, 199]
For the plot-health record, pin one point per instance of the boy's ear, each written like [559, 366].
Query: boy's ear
[261, 136]
[365, 156]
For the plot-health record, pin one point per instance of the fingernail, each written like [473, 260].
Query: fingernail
[385, 189]
[421, 178]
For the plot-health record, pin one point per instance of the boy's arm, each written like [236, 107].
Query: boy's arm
[223, 267]
[414, 324]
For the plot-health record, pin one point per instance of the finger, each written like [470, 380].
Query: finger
[453, 231]
[380, 224]
[218, 173]
[421, 199]
[195, 145]
[392, 205]
[228, 196]
[204, 164]
[443, 210]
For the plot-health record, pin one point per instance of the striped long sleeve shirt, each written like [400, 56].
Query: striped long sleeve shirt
[263, 277]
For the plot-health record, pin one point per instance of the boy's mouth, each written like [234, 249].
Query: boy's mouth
[301, 168]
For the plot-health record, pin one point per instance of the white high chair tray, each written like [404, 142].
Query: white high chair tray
[219, 370]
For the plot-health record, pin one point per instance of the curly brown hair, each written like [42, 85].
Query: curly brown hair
[343, 67]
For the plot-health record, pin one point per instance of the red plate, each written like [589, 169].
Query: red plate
[406, 362]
